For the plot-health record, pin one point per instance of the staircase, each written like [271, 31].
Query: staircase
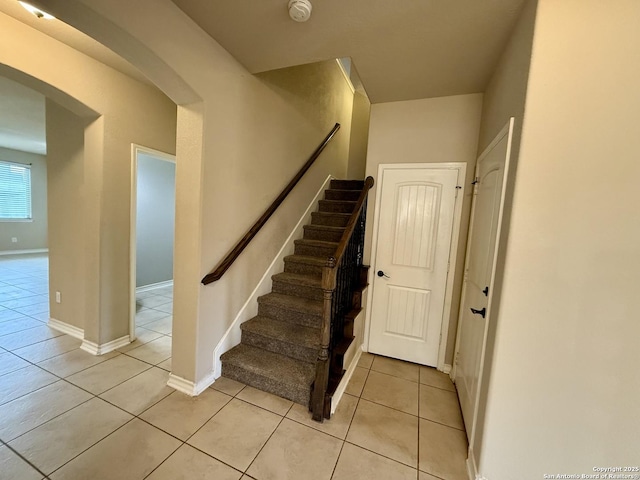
[280, 346]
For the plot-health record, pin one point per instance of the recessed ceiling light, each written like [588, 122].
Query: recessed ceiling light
[36, 11]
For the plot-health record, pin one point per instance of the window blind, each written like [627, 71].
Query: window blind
[15, 191]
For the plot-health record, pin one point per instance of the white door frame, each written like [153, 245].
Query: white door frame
[505, 131]
[461, 167]
[135, 150]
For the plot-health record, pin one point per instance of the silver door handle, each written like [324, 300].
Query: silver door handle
[382, 274]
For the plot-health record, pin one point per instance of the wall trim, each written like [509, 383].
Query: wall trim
[188, 387]
[472, 470]
[154, 286]
[95, 349]
[446, 368]
[67, 328]
[231, 338]
[23, 252]
[342, 386]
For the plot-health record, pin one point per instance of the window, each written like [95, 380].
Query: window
[15, 191]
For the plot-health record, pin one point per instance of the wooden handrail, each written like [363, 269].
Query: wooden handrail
[231, 257]
[319, 402]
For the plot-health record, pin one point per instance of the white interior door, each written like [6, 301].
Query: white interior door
[414, 230]
[486, 216]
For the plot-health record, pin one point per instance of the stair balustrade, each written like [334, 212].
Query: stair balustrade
[341, 277]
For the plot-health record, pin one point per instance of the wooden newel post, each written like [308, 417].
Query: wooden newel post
[322, 366]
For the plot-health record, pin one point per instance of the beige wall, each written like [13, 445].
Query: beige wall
[504, 98]
[359, 136]
[117, 111]
[240, 139]
[31, 235]
[565, 383]
[432, 130]
[65, 169]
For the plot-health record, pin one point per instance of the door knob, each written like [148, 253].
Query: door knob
[479, 312]
[382, 274]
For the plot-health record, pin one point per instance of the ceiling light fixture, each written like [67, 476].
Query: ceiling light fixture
[300, 10]
[36, 11]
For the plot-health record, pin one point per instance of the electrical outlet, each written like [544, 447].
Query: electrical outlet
[58, 297]
[14, 239]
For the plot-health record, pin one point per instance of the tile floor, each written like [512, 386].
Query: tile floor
[65, 414]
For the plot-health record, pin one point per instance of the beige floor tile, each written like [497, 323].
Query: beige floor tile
[74, 362]
[153, 301]
[12, 467]
[17, 325]
[431, 376]
[337, 425]
[187, 463]
[182, 415]
[21, 339]
[265, 400]
[166, 307]
[27, 412]
[154, 352]
[54, 443]
[356, 463]
[440, 406]
[10, 362]
[236, 433]
[23, 381]
[106, 375]
[397, 368]
[443, 451]
[49, 348]
[163, 326]
[142, 336]
[385, 431]
[166, 365]
[426, 476]
[356, 383]
[7, 314]
[392, 392]
[132, 452]
[140, 392]
[366, 359]
[147, 315]
[294, 452]
[228, 386]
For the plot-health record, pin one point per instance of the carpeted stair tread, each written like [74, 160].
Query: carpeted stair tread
[283, 331]
[316, 243]
[289, 302]
[270, 372]
[297, 279]
[339, 206]
[330, 218]
[317, 261]
[347, 184]
[342, 194]
[325, 228]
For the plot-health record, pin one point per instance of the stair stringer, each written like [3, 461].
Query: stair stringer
[232, 336]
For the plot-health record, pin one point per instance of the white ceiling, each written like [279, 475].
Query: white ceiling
[402, 50]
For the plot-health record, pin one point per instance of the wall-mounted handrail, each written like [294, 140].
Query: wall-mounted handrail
[231, 257]
[338, 279]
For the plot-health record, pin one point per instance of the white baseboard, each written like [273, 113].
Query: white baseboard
[95, 349]
[446, 368]
[342, 386]
[64, 327]
[188, 387]
[153, 286]
[24, 252]
[231, 338]
[472, 470]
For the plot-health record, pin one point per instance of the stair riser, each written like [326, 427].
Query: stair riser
[317, 218]
[350, 195]
[335, 207]
[314, 250]
[299, 395]
[291, 316]
[302, 268]
[346, 185]
[299, 352]
[311, 233]
[297, 290]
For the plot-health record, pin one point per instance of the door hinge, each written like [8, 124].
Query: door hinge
[448, 266]
[455, 360]
[458, 188]
[475, 184]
